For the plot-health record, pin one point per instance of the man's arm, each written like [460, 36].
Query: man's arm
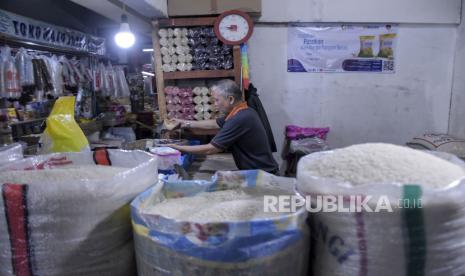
[204, 124]
[200, 149]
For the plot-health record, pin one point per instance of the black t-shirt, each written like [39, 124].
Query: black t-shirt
[245, 136]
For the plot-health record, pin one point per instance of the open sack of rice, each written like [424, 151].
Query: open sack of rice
[422, 234]
[219, 227]
[68, 213]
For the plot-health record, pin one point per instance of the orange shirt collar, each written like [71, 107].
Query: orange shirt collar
[236, 110]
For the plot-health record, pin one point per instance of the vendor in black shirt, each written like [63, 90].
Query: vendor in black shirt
[241, 131]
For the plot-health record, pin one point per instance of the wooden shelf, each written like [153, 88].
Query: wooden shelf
[187, 22]
[27, 122]
[161, 77]
[200, 74]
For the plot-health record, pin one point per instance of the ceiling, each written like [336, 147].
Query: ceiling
[97, 17]
[140, 12]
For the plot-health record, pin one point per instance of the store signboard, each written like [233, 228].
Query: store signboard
[27, 29]
[341, 48]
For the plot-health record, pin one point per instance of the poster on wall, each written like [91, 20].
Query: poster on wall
[341, 48]
[27, 29]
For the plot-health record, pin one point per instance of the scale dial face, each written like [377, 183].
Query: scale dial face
[233, 27]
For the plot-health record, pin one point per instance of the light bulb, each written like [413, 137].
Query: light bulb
[124, 38]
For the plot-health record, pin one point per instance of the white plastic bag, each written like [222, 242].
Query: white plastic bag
[24, 66]
[308, 145]
[2, 75]
[56, 73]
[121, 82]
[10, 74]
[167, 157]
[110, 81]
[100, 79]
[68, 73]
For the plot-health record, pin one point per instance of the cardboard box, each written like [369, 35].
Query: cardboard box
[211, 7]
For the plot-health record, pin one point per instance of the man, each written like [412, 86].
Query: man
[241, 131]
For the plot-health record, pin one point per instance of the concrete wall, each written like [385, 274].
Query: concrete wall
[360, 107]
[457, 115]
[400, 11]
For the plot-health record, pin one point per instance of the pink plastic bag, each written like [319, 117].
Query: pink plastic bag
[295, 132]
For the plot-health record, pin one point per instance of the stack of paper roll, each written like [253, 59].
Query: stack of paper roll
[179, 103]
[209, 53]
[204, 104]
[175, 50]
[173, 101]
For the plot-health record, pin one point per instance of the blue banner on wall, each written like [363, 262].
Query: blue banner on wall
[341, 48]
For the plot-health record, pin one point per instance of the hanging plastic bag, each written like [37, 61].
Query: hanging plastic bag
[62, 133]
[42, 78]
[85, 72]
[10, 74]
[106, 89]
[111, 81]
[68, 76]
[12, 87]
[76, 72]
[96, 79]
[56, 72]
[122, 83]
[118, 87]
[106, 83]
[38, 79]
[99, 79]
[21, 58]
[46, 75]
[29, 72]
[114, 83]
[2, 76]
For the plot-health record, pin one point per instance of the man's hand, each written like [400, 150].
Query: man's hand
[183, 123]
[173, 146]
[200, 149]
[204, 124]
[171, 124]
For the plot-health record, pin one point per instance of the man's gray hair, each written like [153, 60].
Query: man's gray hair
[228, 88]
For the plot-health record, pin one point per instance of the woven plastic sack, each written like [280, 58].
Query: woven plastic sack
[275, 246]
[10, 153]
[72, 227]
[424, 235]
[439, 142]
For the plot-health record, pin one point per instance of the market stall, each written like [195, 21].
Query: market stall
[133, 141]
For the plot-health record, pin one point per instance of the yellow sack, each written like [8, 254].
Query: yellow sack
[62, 133]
